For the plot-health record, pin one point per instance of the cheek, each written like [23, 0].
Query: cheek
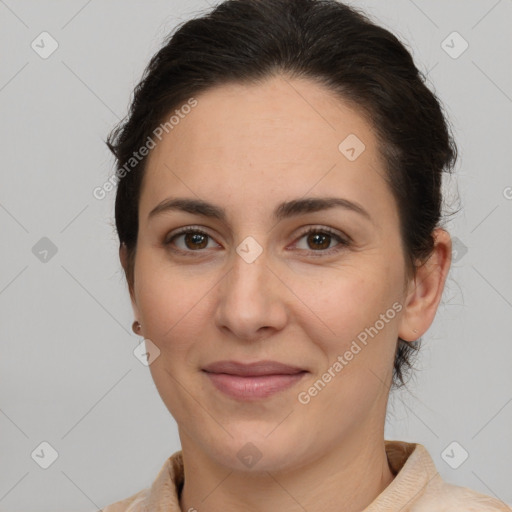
[348, 302]
[173, 309]
[171, 302]
[357, 344]
[356, 319]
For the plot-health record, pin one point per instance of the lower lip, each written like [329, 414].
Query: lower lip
[247, 388]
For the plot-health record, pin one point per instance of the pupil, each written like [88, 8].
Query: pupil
[196, 239]
[317, 237]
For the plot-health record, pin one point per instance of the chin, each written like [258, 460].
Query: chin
[251, 452]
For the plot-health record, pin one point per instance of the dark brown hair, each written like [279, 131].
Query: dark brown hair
[248, 41]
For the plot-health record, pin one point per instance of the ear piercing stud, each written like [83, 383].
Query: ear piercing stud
[136, 327]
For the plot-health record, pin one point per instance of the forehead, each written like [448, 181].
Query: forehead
[253, 143]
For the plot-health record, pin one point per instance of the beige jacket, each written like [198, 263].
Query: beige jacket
[417, 487]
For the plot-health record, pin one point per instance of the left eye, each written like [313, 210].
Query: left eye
[194, 240]
[320, 239]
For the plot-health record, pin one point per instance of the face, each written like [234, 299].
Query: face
[251, 284]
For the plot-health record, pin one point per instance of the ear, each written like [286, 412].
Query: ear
[426, 289]
[123, 256]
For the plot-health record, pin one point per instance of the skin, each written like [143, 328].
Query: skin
[247, 149]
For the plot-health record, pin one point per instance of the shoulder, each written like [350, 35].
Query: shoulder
[130, 504]
[419, 487]
[163, 494]
[442, 496]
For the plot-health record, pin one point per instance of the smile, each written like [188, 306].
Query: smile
[253, 387]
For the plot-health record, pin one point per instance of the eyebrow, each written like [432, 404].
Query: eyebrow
[287, 209]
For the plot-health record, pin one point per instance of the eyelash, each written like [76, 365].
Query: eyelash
[343, 242]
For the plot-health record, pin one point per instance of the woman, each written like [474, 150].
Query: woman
[278, 210]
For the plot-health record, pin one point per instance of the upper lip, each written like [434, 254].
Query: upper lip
[252, 369]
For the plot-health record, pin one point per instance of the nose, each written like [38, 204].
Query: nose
[251, 304]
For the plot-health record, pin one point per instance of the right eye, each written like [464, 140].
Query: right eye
[193, 240]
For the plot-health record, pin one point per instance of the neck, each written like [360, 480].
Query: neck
[346, 478]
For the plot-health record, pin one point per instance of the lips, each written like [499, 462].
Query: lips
[252, 369]
[253, 381]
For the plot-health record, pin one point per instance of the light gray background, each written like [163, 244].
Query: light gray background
[68, 373]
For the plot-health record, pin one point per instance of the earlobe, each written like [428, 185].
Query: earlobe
[426, 289]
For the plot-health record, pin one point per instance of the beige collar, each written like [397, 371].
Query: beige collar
[411, 463]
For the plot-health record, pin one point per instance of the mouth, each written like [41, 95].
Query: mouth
[252, 381]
